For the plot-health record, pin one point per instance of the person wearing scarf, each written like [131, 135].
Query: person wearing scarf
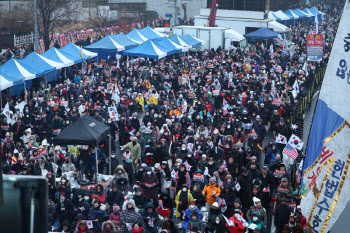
[136, 228]
[99, 194]
[183, 198]
[182, 177]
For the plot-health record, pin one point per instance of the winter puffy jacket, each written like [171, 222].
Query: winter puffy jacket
[211, 191]
[237, 226]
[188, 214]
[150, 219]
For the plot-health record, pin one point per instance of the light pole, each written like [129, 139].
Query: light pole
[36, 28]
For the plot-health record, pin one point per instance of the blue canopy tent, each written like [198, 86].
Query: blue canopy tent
[42, 65]
[291, 15]
[6, 81]
[147, 49]
[59, 56]
[320, 15]
[284, 18]
[166, 45]
[105, 47]
[262, 33]
[149, 33]
[74, 52]
[176, 39]
[188, 39]
[272, 15]
[17, 74]
[125, 41]
[136, 36]
[311, 16]
[300, 14]
[12, 68]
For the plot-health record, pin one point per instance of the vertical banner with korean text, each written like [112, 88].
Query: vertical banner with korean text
[314, 47]
[325, 185]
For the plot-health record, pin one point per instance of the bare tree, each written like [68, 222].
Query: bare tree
[50, 13]
[100, 16]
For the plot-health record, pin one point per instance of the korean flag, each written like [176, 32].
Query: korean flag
[281, 139]
[296, 142]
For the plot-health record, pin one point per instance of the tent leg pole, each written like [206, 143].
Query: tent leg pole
[54, 162]
[96, 164]
[110, 151]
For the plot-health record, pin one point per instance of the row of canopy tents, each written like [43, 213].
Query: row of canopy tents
[139, 42]
[16, 71]
[297, 14]
[144, 42]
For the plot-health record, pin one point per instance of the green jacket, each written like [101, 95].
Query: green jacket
[135, 150]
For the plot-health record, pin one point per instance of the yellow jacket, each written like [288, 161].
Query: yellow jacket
[152, 100]
[177, 201]
[209, 192]
[141, 101]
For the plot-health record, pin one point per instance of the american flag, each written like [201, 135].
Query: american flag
[290, 151]
[266, 189]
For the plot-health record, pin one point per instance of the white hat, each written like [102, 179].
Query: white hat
[28, 130]
[80, 96]
[44, 142]
[15, 151]
[8, 134]
[204, 155]
[255, 200]
[215, 204]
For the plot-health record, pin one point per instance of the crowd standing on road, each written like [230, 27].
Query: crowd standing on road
[187, 149]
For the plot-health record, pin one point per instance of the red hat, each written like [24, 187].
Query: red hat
[177, 135]
[153, 124]
[63, 193]
[166, 130]
[193, 203]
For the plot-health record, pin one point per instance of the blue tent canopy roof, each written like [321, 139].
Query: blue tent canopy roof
[59, 56]
[191, 41]
[12, 68]
[124, 40]
[74, 51]
[291, 14]
[41, 67]
[136, 35]
[166, 45]
[149, 33]
[176, 39]
[107, 44]
[147, 49]
[262, 33]
[300, 14]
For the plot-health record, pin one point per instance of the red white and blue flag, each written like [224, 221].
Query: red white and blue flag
[290, 151]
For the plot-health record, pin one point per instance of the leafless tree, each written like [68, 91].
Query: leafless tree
[52, 12]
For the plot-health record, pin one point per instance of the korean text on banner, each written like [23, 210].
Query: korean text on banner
[314, 47]
[325, 184]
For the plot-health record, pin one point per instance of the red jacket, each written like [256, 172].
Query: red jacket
[236, 229]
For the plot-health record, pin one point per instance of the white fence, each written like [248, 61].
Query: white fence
[24, 40]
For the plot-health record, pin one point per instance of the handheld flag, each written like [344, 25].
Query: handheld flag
[296, 142]
[316, 25]
[281, 139]
[290, 151]
[6, 112]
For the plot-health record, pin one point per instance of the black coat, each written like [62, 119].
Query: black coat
[115, 198]
[282, 216]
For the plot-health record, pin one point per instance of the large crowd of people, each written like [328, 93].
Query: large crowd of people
[188, 143]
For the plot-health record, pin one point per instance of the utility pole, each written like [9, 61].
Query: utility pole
[184, 7]
[36, 28]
